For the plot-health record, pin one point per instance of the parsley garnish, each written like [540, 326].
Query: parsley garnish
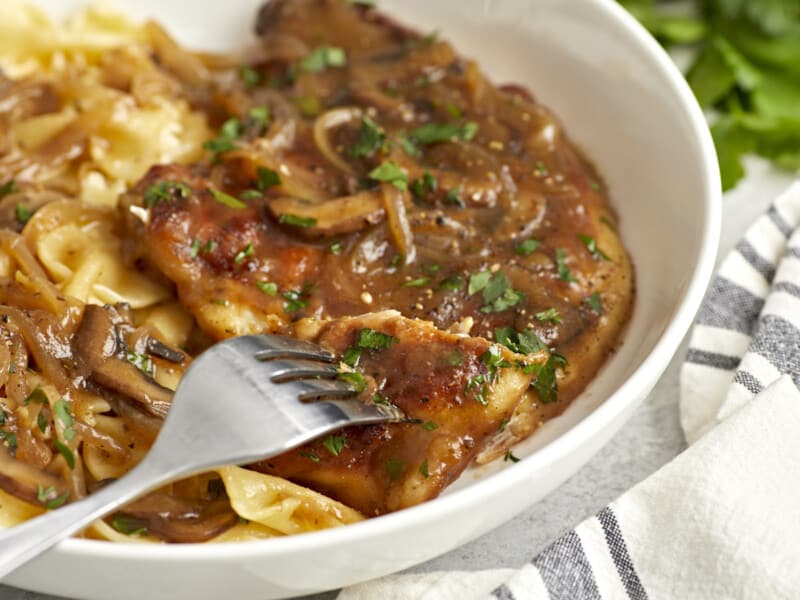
[141, 362]
[22, 213]
[390, 173]
[564, 274]
[546, 382]
[541, 168]
[496, 290]
[259, 116]
[297, 220]
[423, 469]
[250, 76]
[522, 342]
[9, 187]
[10, 438]
[551, 315]
[493, 359]
[595, 303]
[429, 426]
[451, 283]
[373, 340]
[267, 178]
[129, 525]
[454, 197]
[164, 191]
[591, 246]
[395, 468]
[195, 248]
[226, 199]
[335, 248]
[323, 57]
[418, 282]
[209, 247]
[510, 457]
[42, 422]
[378, 398]
[477, 383]
[356, 380]
[63, 413]
[351, 356]
[243, 254]
[69, 457]
[371, 137]
[334, 444]
[294, 300]
[268, 287]
[422, 186]
[224, 142]
[310, 456]
[37, 395]
[527, 247]
[49, 497]
[433, 133]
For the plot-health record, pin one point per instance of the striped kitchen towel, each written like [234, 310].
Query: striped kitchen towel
[722, 520]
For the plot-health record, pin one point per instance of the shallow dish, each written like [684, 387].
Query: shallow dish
[624, 103]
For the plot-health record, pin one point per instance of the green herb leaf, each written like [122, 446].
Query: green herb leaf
[129, 525]
[163, 191]
[423, 186]
[297, 221]
[564, 274]
[522, 342]
[429, 426]
[22, 213]
[195, 248]
[527, 247]
[267, 178]
[418, 282]
[37, 395]
[478, 281]
[351, 356]
[249, 76]
[323, 57]
[226, 199]
[423, 469]
[310, 456]
[334, 444]
[356, 380]
[63, 413]
[141, 362]
[268, 287]
[453, 282]
[336, 248]
[226, 138]
[244, 253]
[550, 315]
[595, 303]
[591, 246]
[9, 187]
[369, 339]
[371, 137]
[510, 457]
[546, 381]
[395, 468]
[64, 450]
[49, 497]
[390, 173]
[294, 300]
[434, 133]
[10, 438]
[476, 385]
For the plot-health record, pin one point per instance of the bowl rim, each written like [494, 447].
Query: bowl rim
[635, 386]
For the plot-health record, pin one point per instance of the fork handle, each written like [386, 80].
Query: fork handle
[23, 542]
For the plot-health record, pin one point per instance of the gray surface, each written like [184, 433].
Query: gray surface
[649, 440]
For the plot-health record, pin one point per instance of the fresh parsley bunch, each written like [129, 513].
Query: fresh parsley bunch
[747, 69]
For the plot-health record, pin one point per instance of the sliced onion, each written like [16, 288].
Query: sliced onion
[400, 230]
[322, 127]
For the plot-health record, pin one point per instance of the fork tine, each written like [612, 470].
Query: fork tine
[310, 389]
[283, 370]
[275, 346]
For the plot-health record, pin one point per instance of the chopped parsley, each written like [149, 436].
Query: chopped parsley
[267, 178]
[297, 221]
[564, 274]
[309, 106]
[546, 382]
[496, 290]
[356, 380]
[389, 172]
[63, 413]
[259, 116]
[418, 282]
[477, 385]
[453, 110]
[451, 283]
[378, 398]
[294, 300]
[164, 191]
[551, 315]
[9, 187]
[226, 138]
[493, 359]
[209, 247]
[510, 457]
[595, 186]
[268, 287]
[49, 497]
[423, 469]
[527, 247]
[351, 356]
[226, 199]
[310, 456]
[429, 426]
[249, 76]
[371, 137]
[195, 248]
[335, 248]
[503, 424]
[422, 186]
[395, 468]
[22, 213]
[42, 422]
[129, 525]
[323, 57]
[373, 340]
[595, 303]
[454, 197]
[244, 253]
[37, 395]
[434, 133]
[541, 169]
[141, 362]
[10, 439]
[522, 342]
[334, 444]
[64, 450]
[591, 246]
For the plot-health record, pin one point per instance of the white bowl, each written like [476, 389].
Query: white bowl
[625, 104]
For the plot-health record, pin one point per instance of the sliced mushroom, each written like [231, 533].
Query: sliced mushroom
[26, 481]
[343, 215]
[97, 348]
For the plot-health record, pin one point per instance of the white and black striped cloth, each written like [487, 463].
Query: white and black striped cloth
[722, 520]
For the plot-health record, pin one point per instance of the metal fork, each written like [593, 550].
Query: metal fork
[237, 403]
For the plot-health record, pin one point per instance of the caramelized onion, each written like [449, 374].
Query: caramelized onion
[334, 217]
[394, 201]
[328, 121]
